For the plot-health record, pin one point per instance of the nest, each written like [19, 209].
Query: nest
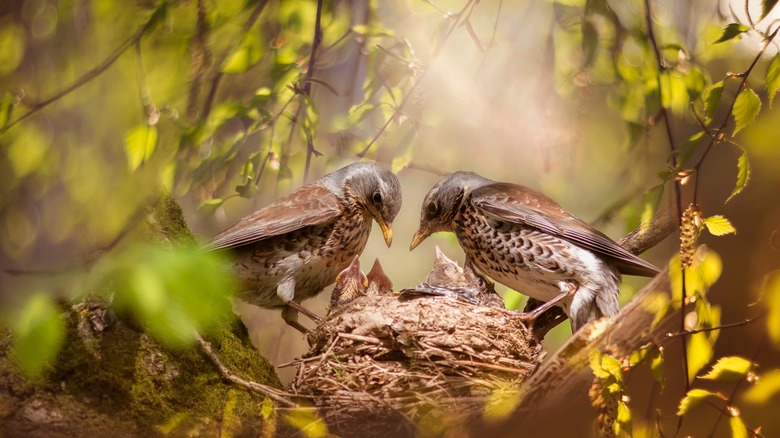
[381, 364]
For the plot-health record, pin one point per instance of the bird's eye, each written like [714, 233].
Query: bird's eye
[432, 207]
[377, 198]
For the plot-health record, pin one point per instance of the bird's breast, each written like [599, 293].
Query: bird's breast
[313, 256]
[523, 258]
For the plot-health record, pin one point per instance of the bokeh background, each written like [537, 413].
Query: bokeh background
[202, 97]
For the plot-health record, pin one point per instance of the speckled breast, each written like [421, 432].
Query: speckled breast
[313, 256]
[522, 258]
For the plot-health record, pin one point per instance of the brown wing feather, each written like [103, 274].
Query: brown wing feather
[521, 205]
[309, 205]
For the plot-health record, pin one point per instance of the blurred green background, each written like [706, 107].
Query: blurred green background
[214, 102]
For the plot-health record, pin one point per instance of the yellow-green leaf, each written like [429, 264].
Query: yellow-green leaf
[38, 333]
[738, 429]
[773, 78]
[731, 31]
[140, 144]
[766, 6]
[692, 399]
[771, 295]
[730, 369]
[718, 225]
[743, 175]
[623, 418]
[246, 55]
[640, 355]
[699, 353]
[767, 387]
[703, 273]
[711, 97]
[657, 367]
[308, 423]
[746, 109]
[604, 365]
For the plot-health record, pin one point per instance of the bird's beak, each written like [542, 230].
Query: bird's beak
[422, 233]
[387, 231]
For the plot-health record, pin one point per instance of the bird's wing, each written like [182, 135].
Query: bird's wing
[309, 205]
[521, 205]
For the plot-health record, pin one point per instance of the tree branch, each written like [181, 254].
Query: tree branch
[90, 75]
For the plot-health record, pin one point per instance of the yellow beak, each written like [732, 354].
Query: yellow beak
[387, 231]
[419, 236]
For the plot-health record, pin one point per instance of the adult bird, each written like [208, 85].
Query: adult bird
[528, 242]
[293, 248]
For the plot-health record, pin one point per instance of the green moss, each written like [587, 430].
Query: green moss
[119, 375]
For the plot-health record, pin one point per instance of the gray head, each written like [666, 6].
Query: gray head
[374, 188]
[442, 202]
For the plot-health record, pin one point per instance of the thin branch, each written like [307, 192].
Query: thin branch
[209, 102]
[310, 150]
[272, 393]
[722, 326]
[87, 77]
[677, 189]
[718, 135]
[456, 20]
[736, 386]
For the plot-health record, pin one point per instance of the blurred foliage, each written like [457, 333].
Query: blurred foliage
[174, 293]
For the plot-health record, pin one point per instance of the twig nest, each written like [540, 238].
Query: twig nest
[380, 364]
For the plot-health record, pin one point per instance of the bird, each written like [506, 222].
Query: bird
[379, 284]
[351, 283]
[291, 249]
[447, 278]
[526, 241]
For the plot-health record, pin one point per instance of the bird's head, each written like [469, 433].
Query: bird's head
[378, 192]
[443, 201]
[351, 283]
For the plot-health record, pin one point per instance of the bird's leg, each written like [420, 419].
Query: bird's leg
[568, 288]
[290, 316]
[286, 291]
[305, 311]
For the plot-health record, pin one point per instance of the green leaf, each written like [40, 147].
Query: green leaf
[209, 206]
[171, 292]
[688, 147]
[732, 31]
[746, 109]
[246, 55]
[590, 42]
[718, 225]
[771, 295]
[767, 387]
[604, 366]
[738, 429]
[692, 399]
[371, 30]
[743, 175]
[729, 369]
[766, 6]
[711, 97]
[635, 132]
[773, 78]
[140, 144]
[38, 333]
